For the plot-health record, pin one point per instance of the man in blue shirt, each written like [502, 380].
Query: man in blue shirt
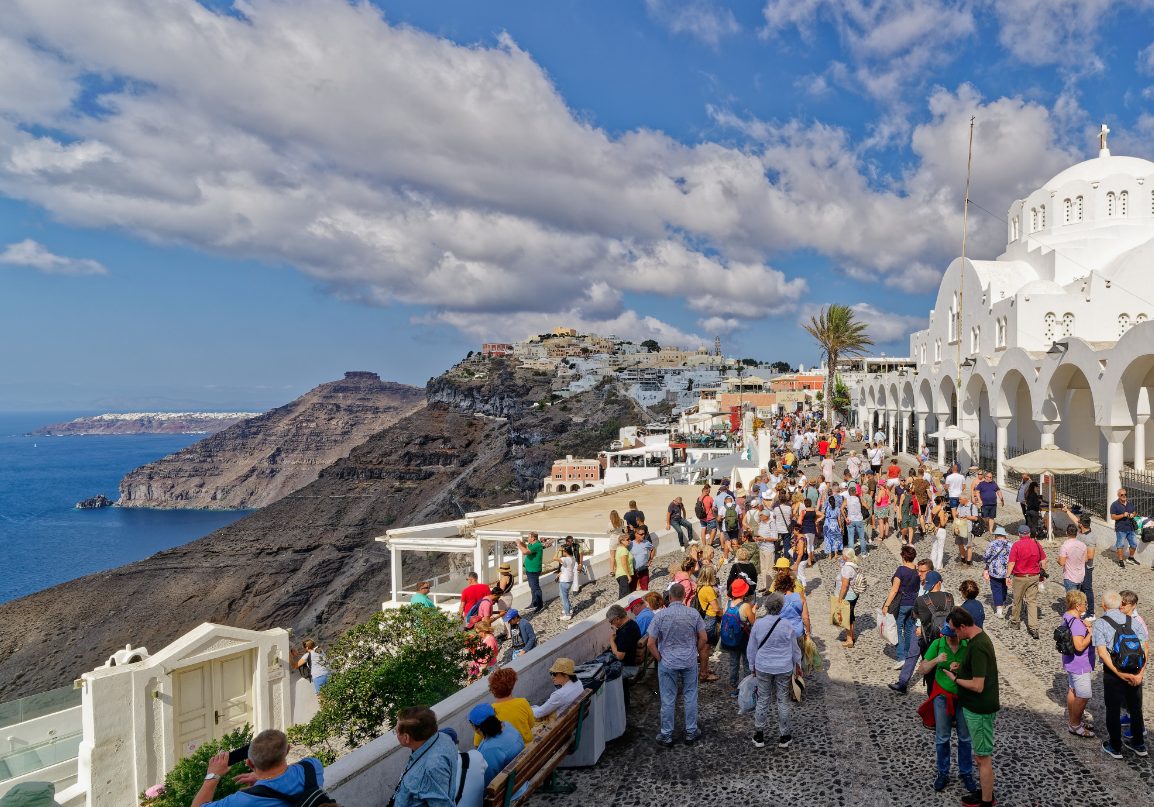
[428, 777]
[525, 634]
[267, 757]
[1125, 530]
[676, 642]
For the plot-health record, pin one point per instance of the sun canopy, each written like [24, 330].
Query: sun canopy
[726, 463]
[1052, 460]
[951, 433]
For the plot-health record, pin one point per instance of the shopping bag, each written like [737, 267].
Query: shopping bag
[747, 695]
[838, 612]
[887, 626]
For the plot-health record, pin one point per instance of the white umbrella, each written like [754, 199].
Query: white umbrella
[952, 433]
[1051, 460]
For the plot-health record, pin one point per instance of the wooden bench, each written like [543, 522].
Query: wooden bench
[535, 768]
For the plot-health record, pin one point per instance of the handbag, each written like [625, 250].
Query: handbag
[838, 612]
[896, 603]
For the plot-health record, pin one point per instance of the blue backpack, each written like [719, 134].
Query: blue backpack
[734, 635]
[1126, 651]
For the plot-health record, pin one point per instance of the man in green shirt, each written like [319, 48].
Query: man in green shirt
[942, 652]
[422, 595]
[534, 551]
[977, 678]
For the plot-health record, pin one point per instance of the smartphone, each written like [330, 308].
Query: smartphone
[237, 755]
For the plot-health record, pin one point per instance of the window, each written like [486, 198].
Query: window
[1067, 324]
[1033, 219]
[1067, 207]
[1110, 204]
[1078, 204]
[1001, 333]
[955, 326]
[1042, 216]
[923, 354]
[1138, 320]
[937, 350]
[1014, 228]
[1123, 324]
[1050, 321]
[975, 339]
[1123, 203]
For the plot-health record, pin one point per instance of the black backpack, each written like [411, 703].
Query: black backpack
[1126, 651]
[311, 794]
[932, 628]
[699, 511]
[1064, 639]
[306, 669]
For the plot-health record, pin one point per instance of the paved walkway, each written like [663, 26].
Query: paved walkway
[855, 741]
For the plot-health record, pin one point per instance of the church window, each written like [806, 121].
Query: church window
[1110, 204]
[1067, 324]
[955, 325]
[1000, 333]
[1042, 216]
[1033, 219]
[1014, 228]
[1123, 324]
[975, 339]
[937, 350]
[923, 354]
[1050, 321]
[1067, 207]
[1078, 204]
[1138, 320]
[1123, 203]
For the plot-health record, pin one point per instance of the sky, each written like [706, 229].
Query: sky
[223, 204]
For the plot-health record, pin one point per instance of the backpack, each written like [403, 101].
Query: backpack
[931, 631]
[699, 511]
[310, 796]
[1126, 651]
[734, 635]
[731, 518]
[859, 584]
[306, 669]
[474, 609]
[697, 606]
[1064, 639]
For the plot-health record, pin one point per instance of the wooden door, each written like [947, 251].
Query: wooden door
[192, 709]
[232, 692]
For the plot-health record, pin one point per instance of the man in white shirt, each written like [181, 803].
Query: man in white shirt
[766, 555]
[876, 457]
[851, 510]
[965, 516]
[955, 486]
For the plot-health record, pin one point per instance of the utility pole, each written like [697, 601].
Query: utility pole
[962, 266]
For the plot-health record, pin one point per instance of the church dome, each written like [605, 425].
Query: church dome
[1100, 168]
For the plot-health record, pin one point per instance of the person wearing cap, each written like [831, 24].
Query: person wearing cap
[422, 595]
[941, 653]
[500, 740]
[525, 638]
[568, 689]
[997, 559]
[736, 623]
[1026, 563]
[675, 519]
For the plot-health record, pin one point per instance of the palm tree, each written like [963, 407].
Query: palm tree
[840, 336]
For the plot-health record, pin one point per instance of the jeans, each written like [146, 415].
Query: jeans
[998, 589]
[905, 622]
[1087, 588]
[565, 597]
[534, 579]
[1117, 692]
[668, 681]
[678, 524]
[319, 681]
[942, 724]
[771, 686]
[857, 528]
[738, 660]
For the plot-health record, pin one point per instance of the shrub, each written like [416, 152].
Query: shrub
[399, 658]
[182, 783]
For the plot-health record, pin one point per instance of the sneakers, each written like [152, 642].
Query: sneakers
[941, 782]
[1033, 633]
[1133, 560]
[1124, 720]
[784, 741]
[975, 800]
[690, 738]
[758, 739]
[565, 617]
[1140, 750]
[899, 665]
[968, 782]
[663, 741]
[1109, 749]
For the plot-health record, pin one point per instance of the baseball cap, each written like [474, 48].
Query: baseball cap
[512, 612]
[451, 733]
[947, 630]
[481, 711]
[739, 588]
[1023, 530]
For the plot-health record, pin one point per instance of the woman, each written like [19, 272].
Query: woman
[849, 572]
[1033, 512]
[742, 569]
[997, 559]
[736, 623]
[515, 711]
[710, 607]
[799, 554]
[907, 507]
[315, 658]
[1080, 666]
[943, 652]
[883, 510]
[924, 456]
[795, 609]
[623, 565]
[939, 515]
[484, 629]
[616, 524]
[809, 523]
[500, 741]
[831, 525]
[686, 577]
[904, 587]
[565, 577]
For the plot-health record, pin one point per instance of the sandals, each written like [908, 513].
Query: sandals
[847, 644]
[1081, 730]
[706, 678]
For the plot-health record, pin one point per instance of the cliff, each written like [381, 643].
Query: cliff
[144, 423]
[260, 459]
[309, 561]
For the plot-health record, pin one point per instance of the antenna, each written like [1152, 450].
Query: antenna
[962, 266]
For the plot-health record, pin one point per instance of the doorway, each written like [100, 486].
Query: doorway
[210, 700]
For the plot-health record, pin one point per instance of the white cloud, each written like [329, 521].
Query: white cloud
[701, 19]
[721, 325]
[1061, 32]
[882, 327]
[30, 253]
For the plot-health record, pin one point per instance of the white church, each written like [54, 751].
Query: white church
[1051, 341]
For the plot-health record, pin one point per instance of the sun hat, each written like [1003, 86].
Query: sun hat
[481, 711]
[781, 563]
[1000, 531]
[739, 588]
[505, 567]
[563, 665]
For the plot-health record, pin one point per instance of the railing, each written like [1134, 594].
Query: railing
[951, 455]
[912, 438]
[1013, 481]
[42, 755]
[1139, 487]
[38, 705]
[987, 458]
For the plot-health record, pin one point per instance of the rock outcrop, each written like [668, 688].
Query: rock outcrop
[261, 459]
[145, 423]
[97, 501]
[309, 561]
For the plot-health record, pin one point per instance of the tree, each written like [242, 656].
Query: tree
[780, 367]
[651, 345]
[841, 399]
[840, 335]
[749, 362]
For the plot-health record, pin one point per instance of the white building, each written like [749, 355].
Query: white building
[1051, 340]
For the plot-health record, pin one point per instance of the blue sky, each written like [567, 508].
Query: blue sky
[223, 205]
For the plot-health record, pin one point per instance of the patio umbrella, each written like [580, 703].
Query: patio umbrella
[1051, 460]
[954, 433]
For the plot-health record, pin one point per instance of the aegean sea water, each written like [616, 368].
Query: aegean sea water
[44, 539]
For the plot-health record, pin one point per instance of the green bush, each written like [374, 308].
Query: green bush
[399, 658]
[184, 781]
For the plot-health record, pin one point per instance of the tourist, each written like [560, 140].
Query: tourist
[525, 638]
[487, 658]
[729, 525]
[827, 467]
[1022, 488]
[965, 516]
[945, 650]
[766, 547]
[931, 580]
[623, 566]
[893, 473]
[970, 591]
[939, 516]
[1129, 607]
[867, 491]
[831, 525]
[472, 594]
[686, 576]
[616, 524]
[1122, 646]
[566, 574]
[851, 512]
[1072, 556]
[990, 495]
[977, 678]
[1079, 665]
[775, 658]
[315, 658]
[584, 564]
[643, 554]
[1033, 513]
[782, 518]
[706, 515]
[1125, 528]
[853, 465]
[1086, 536]
[568, 689]
[997, 558]
[676, 642]
[808, 510]
[1026, 563]
[923, 455]
[632, 516]
[742, 569]
[433, 764]
[798, 554]
[268, 768]
[877, 456]
[505, 583]
[623, 641]
[955, 485]
[908, 510]
[709, 606]
[500, 740]
[736, 623]
[533, 551]
[654, 602]
[883, 511]
[931, 605]
[675, 519]
[794, 606]
[422, 595]
[921, 488]
[903, 590]
[846, 577]
[515, 711]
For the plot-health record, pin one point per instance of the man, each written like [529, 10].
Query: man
[965, 517]
[267, 759]
[675, 519]
[433, 764]
[643, 552]
[774, 658]
[632, 514]
[623, 643]
[977, 678]
[676, 641]
[1021, 498]
[1125, 529]
[766, 544]
[879, 436]
[921, 489]
[1072, 557]
[955, 486]
[851, 511]
[990, 495]
[823, 448]
[1027, 560]
[1086, 536]
[876, 456]
[472, 594]
[525, 638]
[422, 595]
[534, 551]
[729, 525]
[707, 515]
[1118, 638]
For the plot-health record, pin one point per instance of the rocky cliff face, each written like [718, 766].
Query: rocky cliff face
[258, 460]
[309, 561]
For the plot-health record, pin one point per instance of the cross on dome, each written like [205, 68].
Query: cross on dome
[1102, 140]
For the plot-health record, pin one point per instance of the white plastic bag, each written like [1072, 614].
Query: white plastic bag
[887, 626]
[747, 695]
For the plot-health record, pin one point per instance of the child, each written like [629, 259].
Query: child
[969, 590]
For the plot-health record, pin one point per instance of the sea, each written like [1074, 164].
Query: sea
[45, 539]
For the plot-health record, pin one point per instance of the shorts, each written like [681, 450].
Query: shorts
[989, 511]
[962, 537]
[1121, 539]
[1080, 683]
[953, 500]
[893, 482]
[981, 732]
[711, 524]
